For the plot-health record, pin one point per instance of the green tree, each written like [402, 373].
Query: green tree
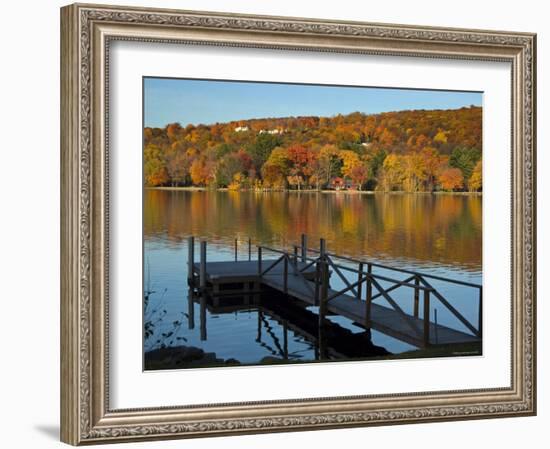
[465, 159]
[262, 147]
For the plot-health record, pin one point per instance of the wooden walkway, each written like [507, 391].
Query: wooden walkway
[383, 319]
[408, 328]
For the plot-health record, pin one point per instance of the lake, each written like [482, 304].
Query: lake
[437, 234]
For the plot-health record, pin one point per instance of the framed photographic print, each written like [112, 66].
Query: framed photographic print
[279, 224]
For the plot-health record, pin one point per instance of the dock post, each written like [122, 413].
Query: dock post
[259, 261]
[416, 296]
[295, 261]
[235, 250]
[285, 274]
[249, 249]
[203, 317]
[202, 272]
[285, 339]
[368, 299]
[324, 283]
[426, 318]
[190, 309]
[317, 280]
[190, 260]
[202, 292]
[304, 248]
[360, 281]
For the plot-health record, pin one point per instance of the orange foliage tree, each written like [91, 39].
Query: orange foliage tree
[451, 179]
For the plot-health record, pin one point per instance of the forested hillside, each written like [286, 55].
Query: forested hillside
[422, 150]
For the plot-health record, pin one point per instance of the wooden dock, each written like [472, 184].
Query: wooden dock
[307, 279]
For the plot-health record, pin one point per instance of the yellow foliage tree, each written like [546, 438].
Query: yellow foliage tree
[414, 172]
[392, 173]
[350, 160]
[475, 182]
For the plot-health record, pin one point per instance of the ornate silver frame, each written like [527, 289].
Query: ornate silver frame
[86, 32]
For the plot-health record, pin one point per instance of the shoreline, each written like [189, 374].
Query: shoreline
[345, 192]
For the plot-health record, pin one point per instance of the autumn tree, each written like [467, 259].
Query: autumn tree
[329, 162]
[275, 170]
[202, 172]
[474, 183]
[392, 174]
[300, 159]
[359, 175]
[414, 172]
[451, 179]
[154, 167]
[173, 131]
[431, 161]
[350, 160]
[227, 167]
[178, 167]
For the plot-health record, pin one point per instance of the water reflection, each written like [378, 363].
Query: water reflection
[427, 229]
[439, 234]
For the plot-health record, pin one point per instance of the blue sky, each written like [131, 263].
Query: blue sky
[207, 102]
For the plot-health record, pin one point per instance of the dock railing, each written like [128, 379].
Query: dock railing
[370, 283]
[417, 282]
[301, 258]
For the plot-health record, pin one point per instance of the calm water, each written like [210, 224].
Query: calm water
[436, 234]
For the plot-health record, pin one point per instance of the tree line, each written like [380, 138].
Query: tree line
[412, 151]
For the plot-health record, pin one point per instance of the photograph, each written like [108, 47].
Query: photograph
[290, 223]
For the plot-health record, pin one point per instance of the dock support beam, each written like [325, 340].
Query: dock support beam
[285, 339]
[360, 281]
[190, 260]
[202, 271]
[203, 318]
[202, 291]
[317, 282]
[285, 275]
[259, 261]
[416, 295]
[304, 248]
[426, 318]
[368, 299]
[190, 309]
[324, 283]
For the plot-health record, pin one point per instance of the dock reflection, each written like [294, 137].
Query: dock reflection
[297, 319]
